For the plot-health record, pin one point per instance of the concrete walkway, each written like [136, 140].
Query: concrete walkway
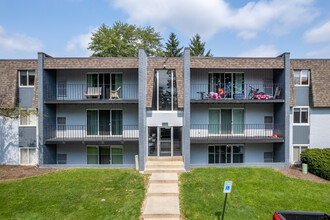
[162, 200]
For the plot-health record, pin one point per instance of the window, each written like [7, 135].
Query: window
[28, 117]
[61, 158]
[105, 154]
[61, 123]
[268, 157]
[300, 115]
[297, 151]
[164, 97]
[28, 156]
[26, 78]
[301, 77]
[226, 154]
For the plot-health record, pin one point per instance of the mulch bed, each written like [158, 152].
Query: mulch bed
[295, 171]
[19, 172]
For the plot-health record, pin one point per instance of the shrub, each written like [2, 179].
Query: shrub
[318, 161]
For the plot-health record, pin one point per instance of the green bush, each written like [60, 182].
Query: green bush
[318, 161]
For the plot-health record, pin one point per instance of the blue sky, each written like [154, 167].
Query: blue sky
[63, 28]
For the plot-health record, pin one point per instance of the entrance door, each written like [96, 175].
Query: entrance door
[164, 141]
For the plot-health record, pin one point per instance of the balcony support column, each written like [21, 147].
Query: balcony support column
[142, 108]
[186, 106]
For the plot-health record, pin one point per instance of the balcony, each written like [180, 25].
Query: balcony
[237, 133]
[57, 134]
[242, 93]
[83, 93]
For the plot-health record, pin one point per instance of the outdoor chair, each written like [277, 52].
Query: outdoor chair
[94, 91]
[114, 94]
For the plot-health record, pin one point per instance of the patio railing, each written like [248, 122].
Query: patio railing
[83, 132]
[241, 91]
[230, 131]
[64, 91]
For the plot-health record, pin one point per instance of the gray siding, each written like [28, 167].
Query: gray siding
[302, 95]
[300, 134]
[25, 97]
[319, 127]
[9, 150]
[27, 137]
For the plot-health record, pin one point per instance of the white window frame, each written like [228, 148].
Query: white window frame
[308, 118]
[298, 145]
[28, 155]
[29, 116]
[300, 77]
[27, 80]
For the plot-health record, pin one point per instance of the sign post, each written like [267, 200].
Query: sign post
[226, 190]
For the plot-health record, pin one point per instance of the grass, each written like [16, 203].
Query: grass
[74, 194]
[256, 193]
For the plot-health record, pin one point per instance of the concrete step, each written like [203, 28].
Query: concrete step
[162, 162]
[165, 159]
[164, 170]
[163, 189]
[162, 207]
[164, 166]
[164, 178]
[164, 217]
[161, 218]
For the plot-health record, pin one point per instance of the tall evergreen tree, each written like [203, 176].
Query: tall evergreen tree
[172, 47]
[197, 47]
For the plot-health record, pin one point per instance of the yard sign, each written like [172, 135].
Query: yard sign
[227, 187]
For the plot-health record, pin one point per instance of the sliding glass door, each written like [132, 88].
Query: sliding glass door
[214, 120]
[226, 120]
[238, 121]
[117, 122]
[104, 122]
[92, 122]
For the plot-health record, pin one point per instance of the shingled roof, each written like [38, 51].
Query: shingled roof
[9, 78]
[319, 82]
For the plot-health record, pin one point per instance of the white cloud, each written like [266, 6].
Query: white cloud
[319, 34]
[80, 43]
[209, 16]
[324, 52]
[19, 42]
[261, 51]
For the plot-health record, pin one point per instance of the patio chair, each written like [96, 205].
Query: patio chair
[94, 91]
[114, 94]
[277, 92]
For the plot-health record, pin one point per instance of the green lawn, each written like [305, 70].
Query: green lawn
[74, 194]
[256, 193]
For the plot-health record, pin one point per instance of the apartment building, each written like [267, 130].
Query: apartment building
[209, 111]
